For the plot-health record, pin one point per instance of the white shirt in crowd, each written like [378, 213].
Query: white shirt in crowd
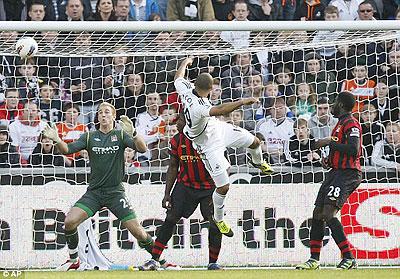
[25, 136]
[348, 10]
[275, 135]
[147, 126]
[238, 39]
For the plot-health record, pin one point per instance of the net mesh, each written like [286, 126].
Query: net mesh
[135, 72]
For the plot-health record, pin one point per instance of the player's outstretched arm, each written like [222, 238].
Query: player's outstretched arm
[229, 107]
[180, 73]
[51, 132]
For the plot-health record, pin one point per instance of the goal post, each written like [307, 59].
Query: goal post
[269, 214]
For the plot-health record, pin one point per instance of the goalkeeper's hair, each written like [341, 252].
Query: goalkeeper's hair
[204, 82]
[106, 104]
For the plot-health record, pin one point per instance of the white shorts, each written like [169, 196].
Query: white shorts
[214, 156]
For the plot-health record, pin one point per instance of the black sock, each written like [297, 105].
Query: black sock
[214, 243]
[164, 235]
[340, 238]
[72, 242]
[317, 233]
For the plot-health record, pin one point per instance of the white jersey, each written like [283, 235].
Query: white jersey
[25, 136]
[200, 127]
[275, 135]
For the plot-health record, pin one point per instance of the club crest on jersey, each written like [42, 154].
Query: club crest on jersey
[338, 128]
[114, 138]
[97, 139]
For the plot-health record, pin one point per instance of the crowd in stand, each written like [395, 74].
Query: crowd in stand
[295, 87]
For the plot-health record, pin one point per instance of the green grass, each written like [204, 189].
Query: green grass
[225, 274]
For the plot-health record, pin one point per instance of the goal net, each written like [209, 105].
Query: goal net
[295, 74]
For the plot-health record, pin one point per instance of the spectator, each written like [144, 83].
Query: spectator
[270, 93]
[129, 155]
[70, 129]
[236, 156]
[323, 82]
[388, 108]
[88, 79]
[328, 52]
[300, 149]
[275, 132]
[391, 9]
[28, 83]
[122, 10]
[386, 153]
[348, 9]
[119, 70]
[284, 79]
[322, 122]
[12, 108]
[104, 11]
[132, 101]
[45, 155]
[310, 10]
[14, 10]
[25, 131]
[284, 9]
[235, 78]
[238, 39]
[169, 115]
[366, 11]
[223, 9]
[50, 108]
[141, 10]
[160, 155]
[76, 10]
[9, 156]
[361, 87]
[190, 10]
[260, 10]
[148, 124]
[216, 92]
[36, 11]
[254, 112]
[372, 131]
[391, 72]
[305, 101]
[3, 85]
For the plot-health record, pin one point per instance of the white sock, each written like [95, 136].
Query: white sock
[218, 201]
[256, 155]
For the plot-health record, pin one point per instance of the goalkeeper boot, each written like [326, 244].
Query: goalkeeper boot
[214, 266]
[264, 167]
[150, 265]
[347, 264]
[311, 264]
[69, 265]
[224, 228]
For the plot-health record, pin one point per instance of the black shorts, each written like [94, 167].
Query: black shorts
[185, 201]
[337, 187]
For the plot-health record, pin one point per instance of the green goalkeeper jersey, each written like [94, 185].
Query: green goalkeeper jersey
[106, 155]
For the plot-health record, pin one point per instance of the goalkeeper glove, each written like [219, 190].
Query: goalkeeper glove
[51, 132]
[127, 126]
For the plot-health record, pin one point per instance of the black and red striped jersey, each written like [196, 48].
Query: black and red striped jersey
[346, 127]
[192, 172]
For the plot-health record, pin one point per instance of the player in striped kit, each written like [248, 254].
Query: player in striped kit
[340, 182]
[193, 186]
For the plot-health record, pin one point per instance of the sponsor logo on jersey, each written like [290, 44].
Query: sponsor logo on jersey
[114, 138]
[105, 150]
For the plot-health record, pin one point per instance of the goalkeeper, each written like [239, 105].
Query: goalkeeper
[106, 152]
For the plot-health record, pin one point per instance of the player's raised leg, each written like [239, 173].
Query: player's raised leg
[256, 157]
[74, 217]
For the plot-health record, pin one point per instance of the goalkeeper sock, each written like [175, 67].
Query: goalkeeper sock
[316, 236]
[147, 244]
[164, 235]
[340, 238]
[214, 243]
[256, 155]
[72, 241]
[218, 201]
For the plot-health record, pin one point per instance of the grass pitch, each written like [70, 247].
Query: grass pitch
[380, 273]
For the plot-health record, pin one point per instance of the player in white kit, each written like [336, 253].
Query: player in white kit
[211, 136]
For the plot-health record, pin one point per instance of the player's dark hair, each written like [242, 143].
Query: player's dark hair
[347, 100]
[323, 101]
[204, 82]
